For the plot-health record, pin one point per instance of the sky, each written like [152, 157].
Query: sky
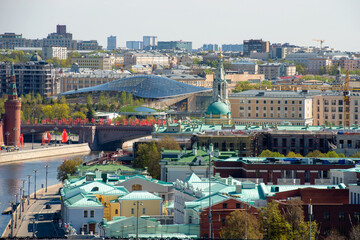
[200, 21]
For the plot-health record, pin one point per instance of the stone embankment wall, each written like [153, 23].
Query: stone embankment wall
[23, 155]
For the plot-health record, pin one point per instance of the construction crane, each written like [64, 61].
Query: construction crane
[320, 41]
[347, 101]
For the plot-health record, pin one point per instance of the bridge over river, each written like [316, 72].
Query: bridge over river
[99, 137]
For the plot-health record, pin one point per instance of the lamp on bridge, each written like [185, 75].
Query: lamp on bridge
[32, 133]
[55, 129]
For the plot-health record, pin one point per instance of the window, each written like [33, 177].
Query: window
[285, 102]
[238, 205]
[223, 222]
[357, 217]
[92, 213]
[257, 115]
[326, 102]
[132, 211]
[264, 101]
[85, 213]
[264, 115]
[136, 187]
[271, 108]
[144, 210]
[285, 108]
[326, 109]
[190, 219]
[95, 189]
[356, 102]
[264, 108]
[249, 101]
[341, 216]
[278, 108]
[333, 102]
[272, 102]
[326, 216]
[340, 109]
[300, 102]
[279, 102]
[356, 109]
[257, 101]
[249, 108]
[225, 205]
[257, 108]
[242, 108]
[116, 211]
[340, 102]
[292, 102]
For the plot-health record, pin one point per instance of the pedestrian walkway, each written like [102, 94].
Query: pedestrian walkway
[39, 218]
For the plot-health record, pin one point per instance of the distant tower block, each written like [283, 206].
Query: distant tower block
[12, 113]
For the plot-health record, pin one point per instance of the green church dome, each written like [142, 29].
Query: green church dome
[217, 108]
[35, 57]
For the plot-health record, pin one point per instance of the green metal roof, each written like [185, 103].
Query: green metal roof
[82, 200]
[217, 108]
[145, 178]
[140, 195]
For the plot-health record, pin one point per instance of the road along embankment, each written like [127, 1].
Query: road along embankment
[23, 155]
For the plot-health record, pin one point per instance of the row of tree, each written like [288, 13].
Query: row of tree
[149, 155]
[271, 223]
[312, 154]
[246, 85]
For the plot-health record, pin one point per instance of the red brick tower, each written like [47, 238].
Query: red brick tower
[12, 113]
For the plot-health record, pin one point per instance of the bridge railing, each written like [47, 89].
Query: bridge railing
[94, 121]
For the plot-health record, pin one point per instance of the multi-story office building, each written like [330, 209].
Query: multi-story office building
[270, 70]
[103, 63]
[88, 78]
[111, 43]
[11, 40]
[135, 45]
[61, 30]
[348, 64]
[301, 57]
[287, 70]
[257, 45]
[54, 52]
[244, 66]
[329, 108]
[210, 47]
[131, 58]
[270, 107]
[315, 65]
[32, 77]
[177, 45]
[59, 39]
[232, 47]
[150, 42]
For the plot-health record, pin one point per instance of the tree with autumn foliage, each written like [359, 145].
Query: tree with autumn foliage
[235, 226]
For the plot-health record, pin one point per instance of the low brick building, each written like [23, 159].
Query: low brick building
[280, 170]
[331, 208]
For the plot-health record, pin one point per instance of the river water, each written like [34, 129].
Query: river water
[12, 174]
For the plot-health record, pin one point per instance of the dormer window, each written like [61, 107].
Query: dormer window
[95, 189]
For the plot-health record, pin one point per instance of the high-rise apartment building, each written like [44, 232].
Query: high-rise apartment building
[150, 42]
[111, 43]
[210, 47]
[232, 47]
[136, 45]
[257, 45]
[176, 45]
[54, 52]
[32, 77]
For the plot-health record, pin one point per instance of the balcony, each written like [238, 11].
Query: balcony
[322, 181]
[288, 181]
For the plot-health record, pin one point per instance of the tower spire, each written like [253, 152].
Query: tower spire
[12, 93]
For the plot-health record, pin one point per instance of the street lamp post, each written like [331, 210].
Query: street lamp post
[7, 139]
[137, 218]
[46, 176]
[32, 132]
[35, 171]
[15, 140]
[69, 134]
[310, 216]
[55, 129]
[28, 197]
[12, 219]
[15, 210]
[20, 200]
[23, 187]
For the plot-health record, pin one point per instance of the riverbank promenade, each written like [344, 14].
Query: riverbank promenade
[39, 217]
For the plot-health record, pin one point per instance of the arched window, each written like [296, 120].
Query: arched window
[136, 187]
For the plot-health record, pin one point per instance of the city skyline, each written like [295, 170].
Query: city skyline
[336, 22]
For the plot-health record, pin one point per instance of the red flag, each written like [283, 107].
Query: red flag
[64, 136]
